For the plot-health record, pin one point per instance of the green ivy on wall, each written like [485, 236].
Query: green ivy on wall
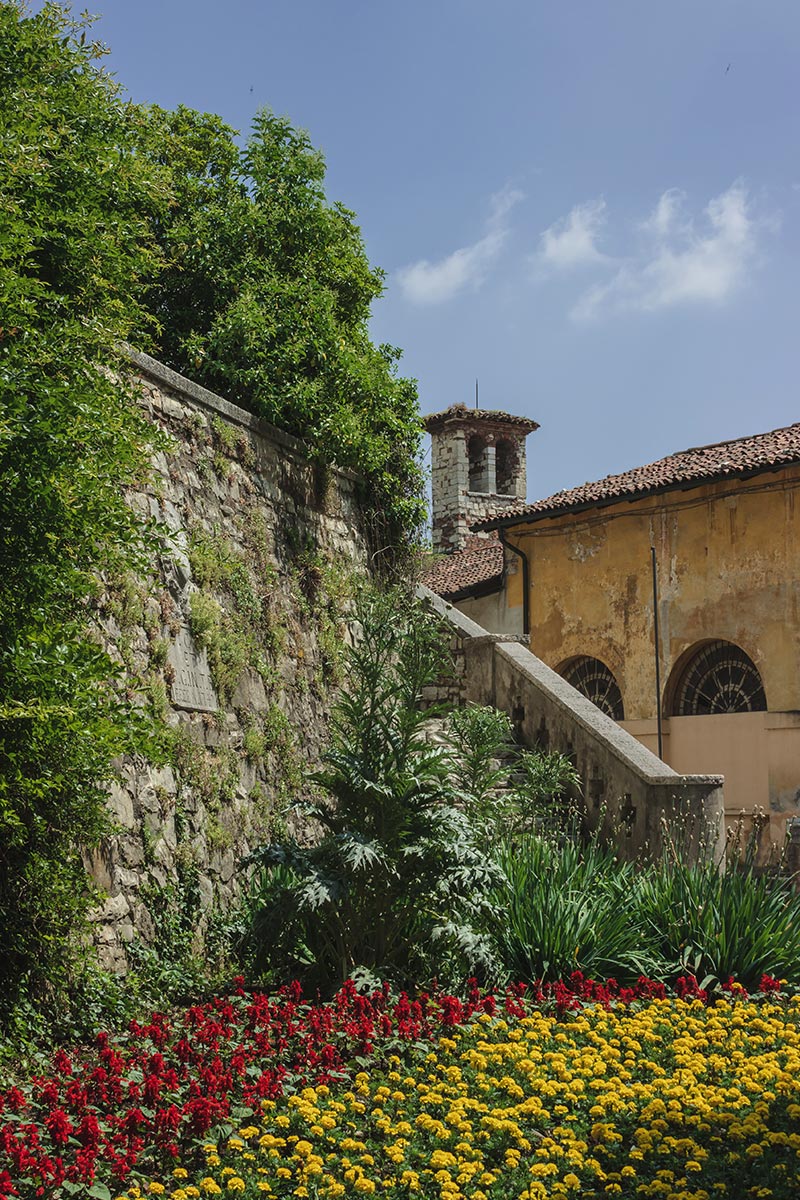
[76, 249]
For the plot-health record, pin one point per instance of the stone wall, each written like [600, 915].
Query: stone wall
[628, 789]
[234, 639]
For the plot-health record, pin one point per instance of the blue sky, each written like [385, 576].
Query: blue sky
[591, 205]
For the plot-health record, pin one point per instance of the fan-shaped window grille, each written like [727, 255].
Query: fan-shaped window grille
[593, 679]
[719, 678]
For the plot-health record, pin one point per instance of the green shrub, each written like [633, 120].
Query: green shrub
[549, 782]
[397, 885]
[75, 256]
[266, 298]
[565, 907]
[569, 905]
[478, 735]
[720, 923]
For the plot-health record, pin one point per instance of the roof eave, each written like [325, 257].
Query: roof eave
[476, 591]
[434, 421]
[608, 501]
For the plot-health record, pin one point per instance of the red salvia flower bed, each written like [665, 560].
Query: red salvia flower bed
[145, 1098]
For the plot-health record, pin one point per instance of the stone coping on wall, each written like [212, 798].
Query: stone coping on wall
[601, 728]
[623, 745]
[211, 402]
[464, 625]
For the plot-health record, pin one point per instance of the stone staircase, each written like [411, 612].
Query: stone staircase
[628, 793]
[436, 733]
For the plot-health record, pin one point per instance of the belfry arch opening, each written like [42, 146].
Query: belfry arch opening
[506, 467]
[478, 454]
[594, 680]
[715, 677]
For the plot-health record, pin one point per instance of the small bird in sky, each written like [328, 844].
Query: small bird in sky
[726, 71]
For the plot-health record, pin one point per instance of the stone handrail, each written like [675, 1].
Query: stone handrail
[635, 796]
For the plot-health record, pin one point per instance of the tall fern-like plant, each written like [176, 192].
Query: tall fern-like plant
[397, 885]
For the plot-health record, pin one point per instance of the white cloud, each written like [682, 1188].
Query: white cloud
[572, 241]
[666, 216]
[425, 282]
[679, 264]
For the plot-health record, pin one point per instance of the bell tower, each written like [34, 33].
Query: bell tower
[477, 469]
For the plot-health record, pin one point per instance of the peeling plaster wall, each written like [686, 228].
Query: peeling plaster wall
[728, 559]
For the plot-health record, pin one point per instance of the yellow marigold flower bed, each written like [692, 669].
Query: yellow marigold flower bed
[673, 1100]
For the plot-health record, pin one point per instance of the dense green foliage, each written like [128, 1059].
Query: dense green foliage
[567, 905]
[124, 223]
[76, 207]
[509, 790]
[719, 924]
[400, 882]
[266, 297]
[397, 884]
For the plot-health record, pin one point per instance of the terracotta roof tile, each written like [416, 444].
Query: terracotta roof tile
[460, 412]
[480, 562]
[687, 468]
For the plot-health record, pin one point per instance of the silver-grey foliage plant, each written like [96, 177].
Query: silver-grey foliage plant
[398, 885]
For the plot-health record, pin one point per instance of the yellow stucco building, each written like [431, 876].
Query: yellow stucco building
[670, 595]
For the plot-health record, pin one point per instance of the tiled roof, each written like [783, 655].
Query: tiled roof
[688, 468]
[460, 412]
[480, 562]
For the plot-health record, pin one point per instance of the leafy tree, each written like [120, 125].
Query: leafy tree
[76, 208]
[116, 221]
[397, 886]
[266, 298]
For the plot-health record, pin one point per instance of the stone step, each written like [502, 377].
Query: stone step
[437, 733]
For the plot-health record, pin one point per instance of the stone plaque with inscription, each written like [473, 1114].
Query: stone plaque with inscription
[192, 686]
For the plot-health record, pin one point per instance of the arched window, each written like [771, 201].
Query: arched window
[478, 464]
[506, 467]
[717, 677]
[593, 680]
